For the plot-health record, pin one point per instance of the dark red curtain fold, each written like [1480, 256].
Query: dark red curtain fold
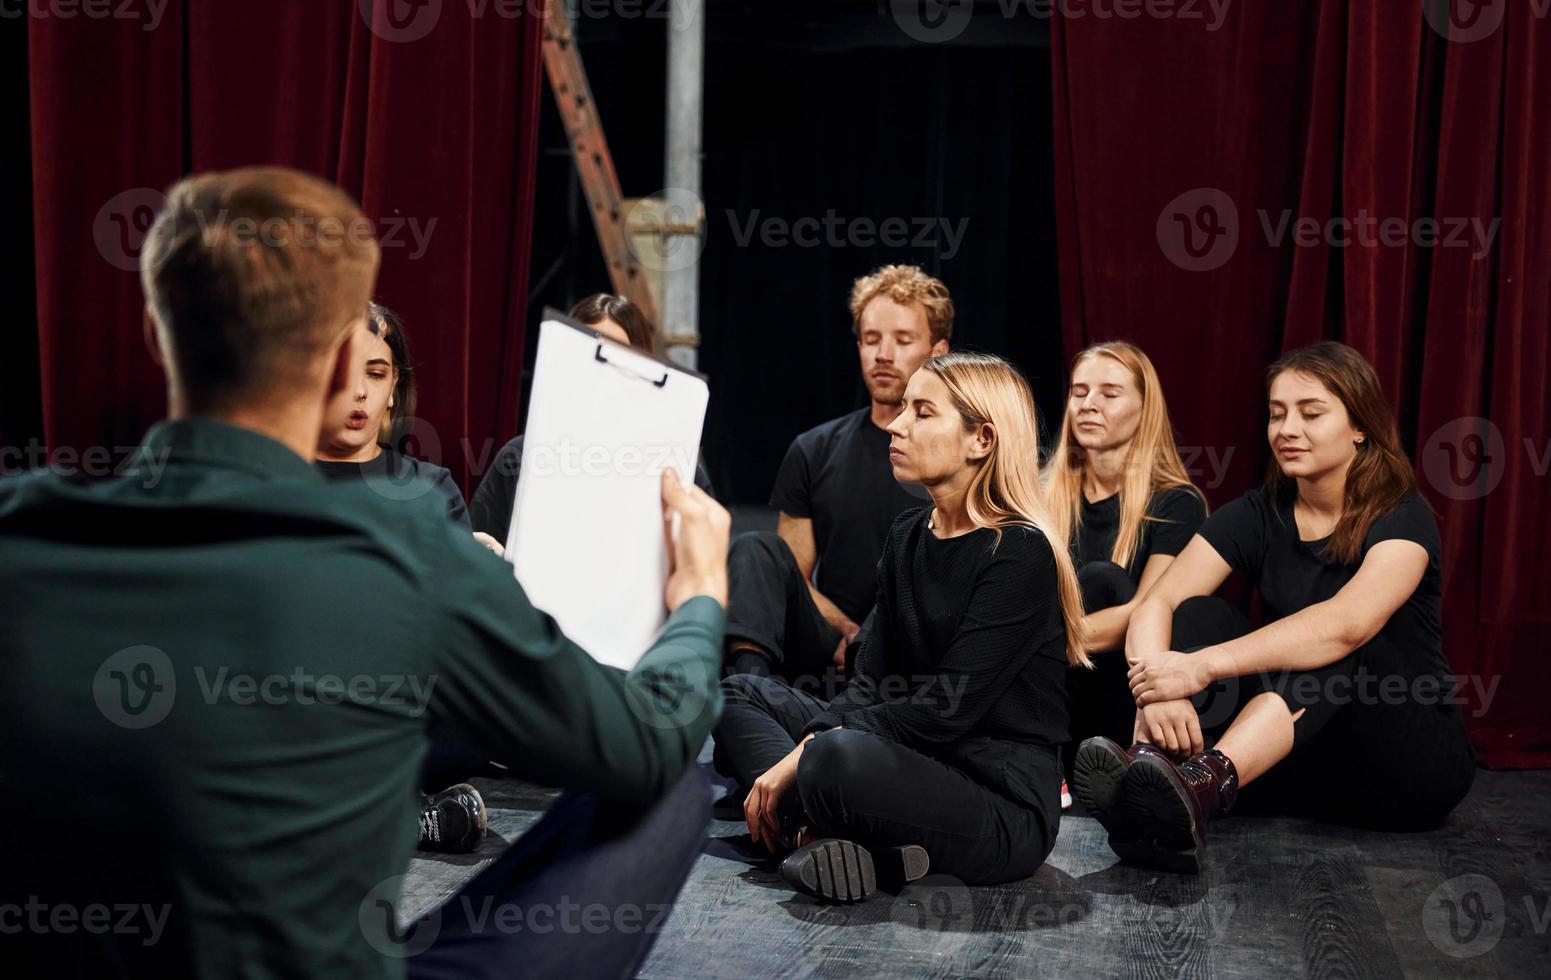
[428, 114]
[1185, 156]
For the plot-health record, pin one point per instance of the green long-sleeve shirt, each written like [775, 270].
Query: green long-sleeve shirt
[217, 672]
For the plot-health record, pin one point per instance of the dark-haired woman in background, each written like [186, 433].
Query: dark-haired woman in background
[1345, 554]
[369, 421]
[614, 317]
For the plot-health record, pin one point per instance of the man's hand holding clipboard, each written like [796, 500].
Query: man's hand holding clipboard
[696, 529]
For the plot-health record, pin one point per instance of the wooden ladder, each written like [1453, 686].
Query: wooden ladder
[594, 164]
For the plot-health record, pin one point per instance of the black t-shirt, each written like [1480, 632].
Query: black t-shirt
[839, 476]
[400, 477]
[1173, 516]
[496, 496]
[1258, 536]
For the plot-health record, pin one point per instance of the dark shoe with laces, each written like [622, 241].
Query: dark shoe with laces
[1098, 773]
[453, 821]
[1174, 804]
[838, 870]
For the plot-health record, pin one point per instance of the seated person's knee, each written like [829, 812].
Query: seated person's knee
[1202, 620]
[833, 758]
[1104, 585]
[760, 546]
[748, 689]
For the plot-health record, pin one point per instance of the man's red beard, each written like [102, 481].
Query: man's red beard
[893, 392]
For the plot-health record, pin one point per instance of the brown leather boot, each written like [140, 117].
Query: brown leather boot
[1173, 804]
[1097, 775]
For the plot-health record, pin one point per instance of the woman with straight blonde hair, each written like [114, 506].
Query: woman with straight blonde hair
[1120, 498]
[943, 750]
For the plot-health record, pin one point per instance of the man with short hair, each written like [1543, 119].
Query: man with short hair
[799, 595]
[218, 681]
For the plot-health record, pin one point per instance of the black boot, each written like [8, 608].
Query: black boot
[1097, 774]
[838, 870]
[1175, 803]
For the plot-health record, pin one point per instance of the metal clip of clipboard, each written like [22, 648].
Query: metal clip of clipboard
[598, 356]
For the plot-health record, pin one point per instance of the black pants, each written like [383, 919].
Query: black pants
[855, 785]
[586, 891]
[769, 604]
[1101, 699]
[1365, 751]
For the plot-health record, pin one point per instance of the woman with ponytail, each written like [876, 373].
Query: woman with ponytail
[942, 751]
[1341, 706]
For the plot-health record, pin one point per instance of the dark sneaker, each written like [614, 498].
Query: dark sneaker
[836, 870]
[453, 821]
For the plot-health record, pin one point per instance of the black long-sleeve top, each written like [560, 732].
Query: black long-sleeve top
[968, 643]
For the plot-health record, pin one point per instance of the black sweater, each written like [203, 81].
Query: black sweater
[969, 642]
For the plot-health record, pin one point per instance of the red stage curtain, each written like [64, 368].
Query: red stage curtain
[1338, 108]
[427, 114]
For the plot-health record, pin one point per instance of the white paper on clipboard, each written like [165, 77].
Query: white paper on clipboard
[586, 538]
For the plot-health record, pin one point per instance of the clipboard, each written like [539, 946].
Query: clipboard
[586, 538]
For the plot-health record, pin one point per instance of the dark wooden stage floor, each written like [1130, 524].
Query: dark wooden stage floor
[1279, 898]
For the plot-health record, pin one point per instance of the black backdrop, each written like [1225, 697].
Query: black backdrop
[811, 108]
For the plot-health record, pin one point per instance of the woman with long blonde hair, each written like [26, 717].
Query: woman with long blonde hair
[1121, 499]
[943, 750]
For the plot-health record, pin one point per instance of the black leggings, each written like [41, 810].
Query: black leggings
[855, 785]
[1376, 746]
[1101, 697]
